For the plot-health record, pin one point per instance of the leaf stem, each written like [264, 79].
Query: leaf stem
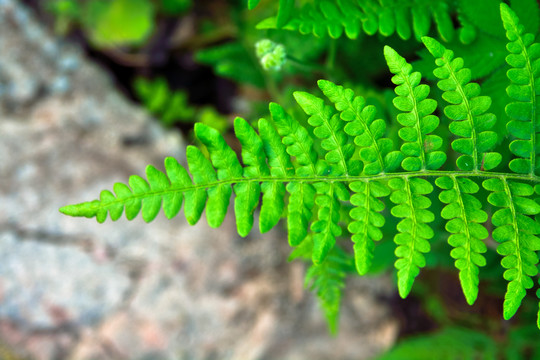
[315, 178]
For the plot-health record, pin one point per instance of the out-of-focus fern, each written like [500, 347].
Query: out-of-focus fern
[170, 106]
[350, 17]
[349, 160]
[388, 17]
[448, 344]
[456, 343]
[233, 61]
[327, 280]
[114, 23]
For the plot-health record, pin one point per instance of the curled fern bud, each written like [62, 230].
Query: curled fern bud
[271, 55]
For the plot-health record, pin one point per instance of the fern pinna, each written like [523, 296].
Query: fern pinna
[349, 163]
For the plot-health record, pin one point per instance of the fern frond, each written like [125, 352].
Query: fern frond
[171, 106]
[233, 61]
[450, 344]
[320, 172]
[349, 17]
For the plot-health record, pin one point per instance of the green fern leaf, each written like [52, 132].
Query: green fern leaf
[413, 231]
[467, 110]
[300, 145]
[227, 166]
[467, 32]
[465, 216]
[419, 147]
[328, 281]
[368, 221]
[254, 159]
[375, 150]
[280, 166]
[325, 228]
[298, 142]
[218, 197]
[516, 232]
[524, 89]
[329, 128]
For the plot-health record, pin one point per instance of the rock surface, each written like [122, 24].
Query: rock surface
[73, 289]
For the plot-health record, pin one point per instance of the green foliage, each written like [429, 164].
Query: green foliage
[172, 107]
[65, 11]
[448, 344]
[333, 171]
[114, 23]
[524, 89]
[467, 110]
[253, 3]
[174, 7]
[233, 61]
[118, 22]
[327, 280]
[419, 148]
[159, 99]
[456, 343]
[350, 17]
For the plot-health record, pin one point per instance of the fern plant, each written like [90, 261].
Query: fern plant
[351, 17]
[159, 99]
[350, 163]
[172, 107]
[455, 343]
[448, 344]
[407, 19]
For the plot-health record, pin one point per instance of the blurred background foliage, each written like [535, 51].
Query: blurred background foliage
[207, 60]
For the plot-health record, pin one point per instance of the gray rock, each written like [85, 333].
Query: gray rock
[74, 289]
[37, 294]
